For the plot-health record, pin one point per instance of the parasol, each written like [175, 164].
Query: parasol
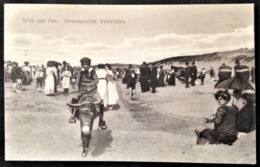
[234, 83]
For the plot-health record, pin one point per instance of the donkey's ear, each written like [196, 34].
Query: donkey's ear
[197, 132]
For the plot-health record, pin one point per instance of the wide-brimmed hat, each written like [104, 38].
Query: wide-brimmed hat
[26, 62]
[49, 63]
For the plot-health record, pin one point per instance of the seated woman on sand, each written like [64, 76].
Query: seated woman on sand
[224, 122]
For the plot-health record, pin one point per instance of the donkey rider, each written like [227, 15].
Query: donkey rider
[87, 81]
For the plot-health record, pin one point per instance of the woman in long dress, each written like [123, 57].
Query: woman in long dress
[51, 74]
[171, 80]
[111, 88]
[161, 77]
[102, 84]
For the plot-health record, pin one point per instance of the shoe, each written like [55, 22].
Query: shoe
[102, 125]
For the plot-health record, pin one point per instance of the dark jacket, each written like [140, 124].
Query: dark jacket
[193, 71]
[246, 119]
[144, 73]
[153, 77]
[16, 73]
[87, 80]
[225, 120]
[187, 72]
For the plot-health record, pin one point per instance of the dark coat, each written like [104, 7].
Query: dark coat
[225, 120]
[153, 77]
[131, 81]
[246, 119]
[187, 72]
[193, 72]
[144, 73]
[17, 73]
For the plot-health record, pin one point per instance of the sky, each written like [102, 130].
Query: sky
[145, 32]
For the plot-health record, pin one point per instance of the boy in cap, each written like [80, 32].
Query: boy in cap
[87, 81]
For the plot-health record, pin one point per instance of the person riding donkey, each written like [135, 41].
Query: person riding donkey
[87, 81]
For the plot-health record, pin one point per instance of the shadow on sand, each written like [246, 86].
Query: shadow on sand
[101, 140]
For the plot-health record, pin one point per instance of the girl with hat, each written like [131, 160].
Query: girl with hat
[66, 74]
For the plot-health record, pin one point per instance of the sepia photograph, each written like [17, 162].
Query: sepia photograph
[130, 83]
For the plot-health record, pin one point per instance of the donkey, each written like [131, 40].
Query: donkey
[213, 136]
[86, 113]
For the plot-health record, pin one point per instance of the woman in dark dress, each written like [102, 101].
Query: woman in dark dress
[171, 80]
[224, 122]
[246, 117]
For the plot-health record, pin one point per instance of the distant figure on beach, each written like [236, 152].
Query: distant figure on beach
[171, 77]
[187, 74]
[51, 75]
[161, 75]
[153, 78]
[39, 77]
[212, 73]
[27, 73]
[193, 73]
[16, 77]
[66, 75]
[144, 76]
[202, 76]
[131, 83]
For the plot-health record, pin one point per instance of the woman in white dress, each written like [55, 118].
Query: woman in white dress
[66, 74]
[111, 88]
[51, 73]
[102, 84]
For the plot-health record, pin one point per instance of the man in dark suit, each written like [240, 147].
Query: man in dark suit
[193, 73]
[153, 77]
[187, 74]
[144, 72]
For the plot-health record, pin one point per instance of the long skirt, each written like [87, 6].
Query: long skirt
[102, 90]
[27, 78]
[112, 93]
[171, 80]
[49, 85]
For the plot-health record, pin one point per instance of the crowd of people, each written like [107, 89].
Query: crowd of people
[152, 76]
[62, 75]
[236, 112]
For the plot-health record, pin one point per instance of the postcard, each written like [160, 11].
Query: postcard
[138, 83]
